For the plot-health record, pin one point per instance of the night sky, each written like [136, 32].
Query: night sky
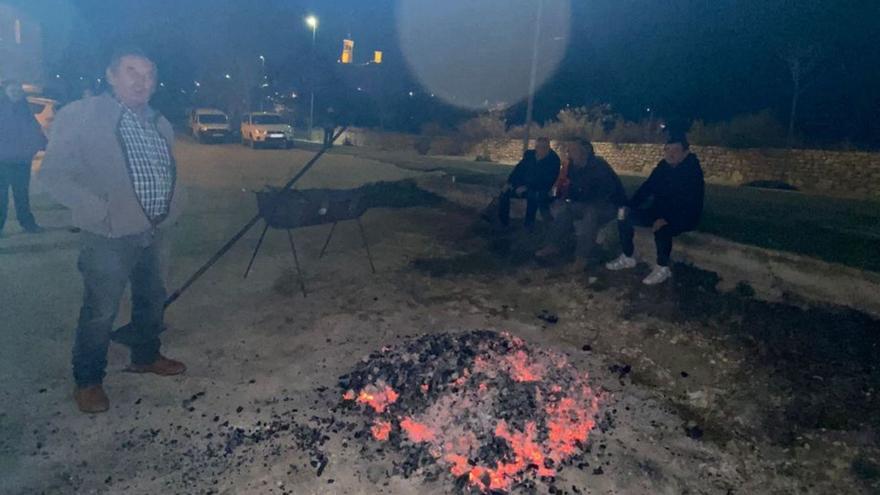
[683, 59]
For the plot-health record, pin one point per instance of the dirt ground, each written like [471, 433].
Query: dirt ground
[704, 392]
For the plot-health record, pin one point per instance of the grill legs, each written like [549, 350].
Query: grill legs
[256, 250]
[366, 245]
[302, 283]
[327, 242]
[299, 272]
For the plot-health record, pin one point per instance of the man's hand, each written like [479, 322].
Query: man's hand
[621, 213]
[660, 223]
[521, 190]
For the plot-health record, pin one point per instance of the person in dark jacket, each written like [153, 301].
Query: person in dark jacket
[531, 179]
[676, 187]
[591, 199]
[20, 139]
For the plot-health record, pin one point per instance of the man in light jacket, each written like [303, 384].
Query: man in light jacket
[20, 139]
[110, 162]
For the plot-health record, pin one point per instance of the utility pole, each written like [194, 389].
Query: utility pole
[530, 106]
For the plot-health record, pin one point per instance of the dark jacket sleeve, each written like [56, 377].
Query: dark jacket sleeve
[599, 183]
[645, 191]
[692, 197]
[548, 172]
[518, 176]
[20, 133]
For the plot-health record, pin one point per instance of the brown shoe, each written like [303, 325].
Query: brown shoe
[92, 399]
[161, 366]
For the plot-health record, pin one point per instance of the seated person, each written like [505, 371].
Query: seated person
[590, 195]
[531, 179]
[676, 186]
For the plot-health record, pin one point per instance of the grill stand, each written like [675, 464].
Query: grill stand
[299, 272]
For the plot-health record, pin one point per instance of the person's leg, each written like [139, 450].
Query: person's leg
[4, 193]
[148, 307]
[533, 199]
[663, 242]
[504, 207]
[592, 218]
[564, 216]
[105, 265]
[20, 180]
[625, 228]
[544, 201]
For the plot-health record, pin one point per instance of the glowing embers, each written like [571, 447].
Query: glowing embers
[493, 411]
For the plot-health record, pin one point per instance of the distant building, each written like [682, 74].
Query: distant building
[21, 47]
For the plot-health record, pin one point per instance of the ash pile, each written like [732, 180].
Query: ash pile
[482, 408]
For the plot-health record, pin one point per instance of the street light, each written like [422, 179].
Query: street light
[265, 84]
[312, 22]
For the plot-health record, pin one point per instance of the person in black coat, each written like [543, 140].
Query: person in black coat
[20, 138]
[532, 179]
[590, 200]
[676, 188]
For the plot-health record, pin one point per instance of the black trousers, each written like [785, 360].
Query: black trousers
[107, 266]
[646, 218]
[535, 200]
[16, 175]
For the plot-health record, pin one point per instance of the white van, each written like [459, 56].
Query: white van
[209, 124]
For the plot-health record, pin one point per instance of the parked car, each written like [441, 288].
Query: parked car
[209, 124]
[44, 110]
[265, 128]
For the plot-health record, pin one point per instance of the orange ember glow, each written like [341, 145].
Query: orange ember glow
[381, 430]
[565, 409]
[417, 432]
[378, 397]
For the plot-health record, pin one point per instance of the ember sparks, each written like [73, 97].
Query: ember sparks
[492, 410]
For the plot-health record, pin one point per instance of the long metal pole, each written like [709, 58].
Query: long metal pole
[530, 106]
[312, 98]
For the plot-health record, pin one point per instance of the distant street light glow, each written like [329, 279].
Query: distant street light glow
[312, 22]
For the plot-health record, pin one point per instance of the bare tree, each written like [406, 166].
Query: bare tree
[802, 62]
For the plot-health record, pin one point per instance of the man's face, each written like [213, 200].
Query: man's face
[133, 80]
[14, 92]
[542, 149]
[674, 153]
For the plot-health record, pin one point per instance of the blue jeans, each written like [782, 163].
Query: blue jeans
[107, 265]
[17, 176]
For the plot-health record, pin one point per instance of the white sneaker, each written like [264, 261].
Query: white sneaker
[658, 275]
[623, 262]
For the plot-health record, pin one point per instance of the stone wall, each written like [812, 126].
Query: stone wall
[836, 173]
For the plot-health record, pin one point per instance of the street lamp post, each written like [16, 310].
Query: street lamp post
[262, 96]
[530, 105]
[312, 22]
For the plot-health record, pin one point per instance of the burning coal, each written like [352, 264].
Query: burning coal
[489, 409]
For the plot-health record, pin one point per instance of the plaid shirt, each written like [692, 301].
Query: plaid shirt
[149, 162]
